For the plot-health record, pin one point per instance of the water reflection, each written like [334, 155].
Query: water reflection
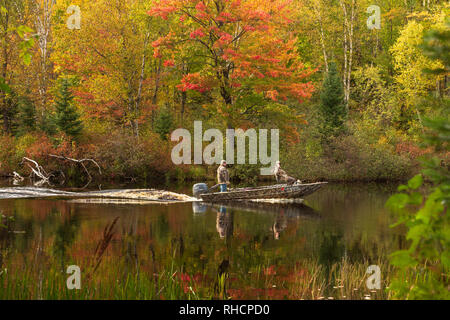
[224, 222]
[64, 238]
[279, 225]
[199, 207]
[232, 239]
[284, 213]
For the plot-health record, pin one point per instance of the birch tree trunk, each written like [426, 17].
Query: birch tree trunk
[158, 67]
[5, 21]
[141, 81]
[317, 7]
[43, 10]
[348, 27]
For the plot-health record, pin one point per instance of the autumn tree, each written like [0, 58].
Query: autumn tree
[409, 61]
[247, 54]
[113, 58]
[15, 47]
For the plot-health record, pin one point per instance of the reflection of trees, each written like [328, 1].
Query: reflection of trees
[237, 242]
[331, 249]
[129, 234]
[64, 238]
[6, 237]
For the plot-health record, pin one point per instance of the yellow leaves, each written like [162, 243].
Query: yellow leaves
[382, 141]
[410, 62]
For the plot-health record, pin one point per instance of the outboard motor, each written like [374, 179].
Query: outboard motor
[199, 188]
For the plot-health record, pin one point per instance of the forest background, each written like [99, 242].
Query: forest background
[350, 101]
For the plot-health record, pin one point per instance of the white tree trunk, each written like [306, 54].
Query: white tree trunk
[349, 21]
[43, 13]
[318, 11]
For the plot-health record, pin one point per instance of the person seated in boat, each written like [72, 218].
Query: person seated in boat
[282, 176]
[223, 178]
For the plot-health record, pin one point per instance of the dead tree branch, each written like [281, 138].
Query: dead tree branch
[37, 171]
[82, 163]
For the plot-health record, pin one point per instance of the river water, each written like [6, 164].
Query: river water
[261, 248]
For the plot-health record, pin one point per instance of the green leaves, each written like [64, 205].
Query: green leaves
[23, 30]
[26, 45]
[445, 258]
[415, 182]
[4, 87]
[402, 259]
[408, 197]
[397, 201]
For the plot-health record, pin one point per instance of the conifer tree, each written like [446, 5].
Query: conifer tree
[164, 124]
[67, 118]
[332, 106]
[27, 113]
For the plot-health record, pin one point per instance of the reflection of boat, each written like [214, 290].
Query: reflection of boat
[279, 191]
[291, 210]
[198, 207]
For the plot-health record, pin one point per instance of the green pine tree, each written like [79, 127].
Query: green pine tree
[67, 118]
[27, 115]
[8, 115]
[332, 106]
[164, 124]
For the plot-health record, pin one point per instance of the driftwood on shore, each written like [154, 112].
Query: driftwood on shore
[44, 178]
[80, 162]
[105, 196]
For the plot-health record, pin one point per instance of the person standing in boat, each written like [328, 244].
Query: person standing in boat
[282, 176]
[223, 177]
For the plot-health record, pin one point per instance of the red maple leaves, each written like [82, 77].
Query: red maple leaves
[241, 44]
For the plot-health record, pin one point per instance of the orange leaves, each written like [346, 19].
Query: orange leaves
[163, 41]
[195, 82]
[224, 40]
[259, 15]
[162, 11]
[200, 6]
[198, 33]
[225, 17]
[239, 42]
[272, 94]
[169, 63]
[157, 53]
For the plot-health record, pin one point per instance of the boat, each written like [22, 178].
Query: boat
[279, 191]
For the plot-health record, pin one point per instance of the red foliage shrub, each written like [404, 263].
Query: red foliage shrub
[411, 149]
